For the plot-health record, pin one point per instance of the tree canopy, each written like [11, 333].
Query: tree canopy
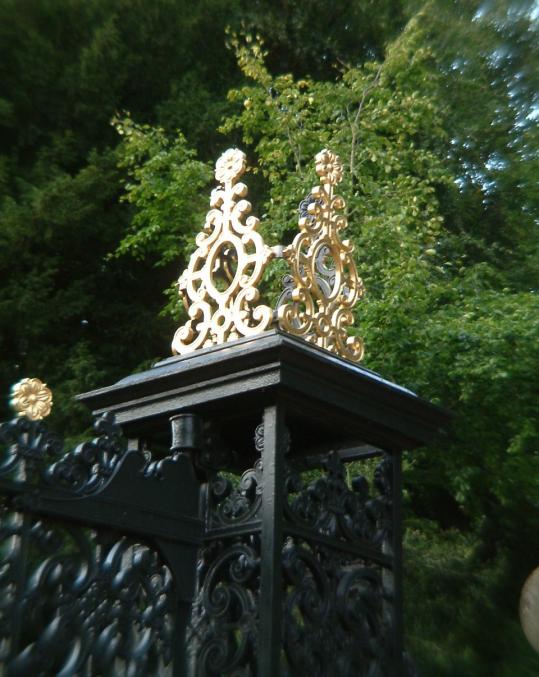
[111, 115]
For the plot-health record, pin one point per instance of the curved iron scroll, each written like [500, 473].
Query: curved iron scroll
[334, 623]
[330, 506]
[97, 554]
[34, 454]
[80, 601]
[222, 635]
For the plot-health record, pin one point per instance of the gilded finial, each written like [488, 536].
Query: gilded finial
[328, 166]
[219, 286]
[31, 398]
[230, 166]
[324, 285]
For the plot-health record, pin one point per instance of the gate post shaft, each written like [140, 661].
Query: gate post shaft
[270, 633]
[396, 547]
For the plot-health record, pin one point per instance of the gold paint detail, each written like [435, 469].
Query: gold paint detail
[325, 285]
[220, 285]
[31, 398]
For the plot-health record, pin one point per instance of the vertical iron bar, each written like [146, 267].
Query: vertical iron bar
[270, 621]
[397, 562]
[186, 438]
[20, 585]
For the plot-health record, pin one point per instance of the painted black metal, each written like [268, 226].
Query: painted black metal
[298, 573]
[354, 403]
[98, 552]
[270, 630]
[263, 539]
[187, 433]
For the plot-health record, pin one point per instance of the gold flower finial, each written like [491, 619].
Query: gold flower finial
[328, 167]
[231, 165]
[31, 398]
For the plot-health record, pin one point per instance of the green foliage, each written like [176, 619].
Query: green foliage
[168, 188]
[377, 129]
[310, 37]
[167, 185]
[390, 138]
[58, 319]
[70, 312]
[454, 624]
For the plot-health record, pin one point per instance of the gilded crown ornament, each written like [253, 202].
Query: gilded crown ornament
[219, 288]
[324, 285]
[31, 398]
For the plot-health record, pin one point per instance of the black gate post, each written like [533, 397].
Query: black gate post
[396, 552]
[299, 454]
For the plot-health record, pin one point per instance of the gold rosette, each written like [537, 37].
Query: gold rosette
[31, 398]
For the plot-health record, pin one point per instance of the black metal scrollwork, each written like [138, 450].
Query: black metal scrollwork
[77, 601]
[331, 507]
[34, 455]
[337, 600]
[235, 500]
[333, 613]
[222, 634]
[223, 630]
[84, 589]
[28, 449]
[337, 604]
[91, 464]
[234, 504]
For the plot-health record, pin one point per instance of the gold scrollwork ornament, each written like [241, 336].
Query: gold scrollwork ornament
[219, 286]
[325, 283]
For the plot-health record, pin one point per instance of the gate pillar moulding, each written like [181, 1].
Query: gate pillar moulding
[296, 446]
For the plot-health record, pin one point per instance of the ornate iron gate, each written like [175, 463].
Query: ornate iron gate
[97, 555]
[299, 458]
[265, 542]
[312, 590]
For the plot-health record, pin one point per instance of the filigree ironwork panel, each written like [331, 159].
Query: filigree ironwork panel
[94, 565]
[220, 286]
[222, 636]
[29, 452]
[338, 591]
[80, 601]
[232, 503]
[323, 285]
[234, 499]
[336, 560]
[332, 506]
[334, 619]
